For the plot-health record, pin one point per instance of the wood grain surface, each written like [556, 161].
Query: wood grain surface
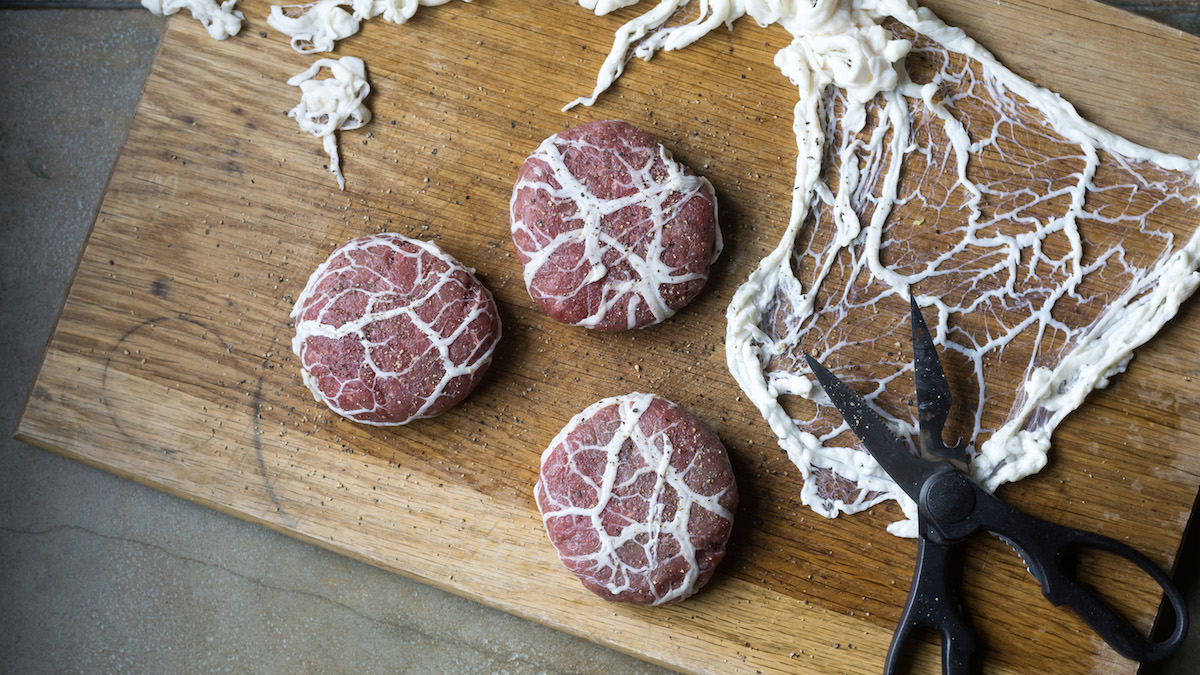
[171, 362]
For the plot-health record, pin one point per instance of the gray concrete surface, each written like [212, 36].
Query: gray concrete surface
[99, 574]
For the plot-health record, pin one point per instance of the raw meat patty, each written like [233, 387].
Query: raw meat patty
[637, 496]
[391, 329]
[613, 233]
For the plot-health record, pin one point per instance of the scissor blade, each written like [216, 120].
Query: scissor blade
[909, 472]
[933, 392]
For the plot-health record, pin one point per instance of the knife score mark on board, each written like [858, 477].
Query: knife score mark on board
[189, 326]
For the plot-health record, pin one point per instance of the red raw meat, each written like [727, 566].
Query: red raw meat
[637, 496]
[391, 329]
[613, 233]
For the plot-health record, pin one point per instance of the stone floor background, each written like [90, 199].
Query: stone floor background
[99, 574]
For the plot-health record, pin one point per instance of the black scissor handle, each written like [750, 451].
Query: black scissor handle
[934, 602]
[1045, 547]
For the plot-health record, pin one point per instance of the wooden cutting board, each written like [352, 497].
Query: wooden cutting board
[171, 362]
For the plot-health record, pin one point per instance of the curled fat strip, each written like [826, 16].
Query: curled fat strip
[332, 104]
[221, 21]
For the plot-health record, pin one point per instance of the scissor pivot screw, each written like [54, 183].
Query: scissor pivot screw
[949, 497]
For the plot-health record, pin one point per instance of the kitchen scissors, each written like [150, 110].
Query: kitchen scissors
[951, 506]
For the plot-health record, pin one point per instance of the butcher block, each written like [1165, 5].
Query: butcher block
[171, 363]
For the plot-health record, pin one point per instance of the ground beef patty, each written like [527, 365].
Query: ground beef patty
[638, 497]
[613, 232]
[391, 329]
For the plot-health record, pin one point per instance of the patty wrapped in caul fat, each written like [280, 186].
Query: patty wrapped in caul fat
[391, 329]
[637, 495]
[613, 233]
